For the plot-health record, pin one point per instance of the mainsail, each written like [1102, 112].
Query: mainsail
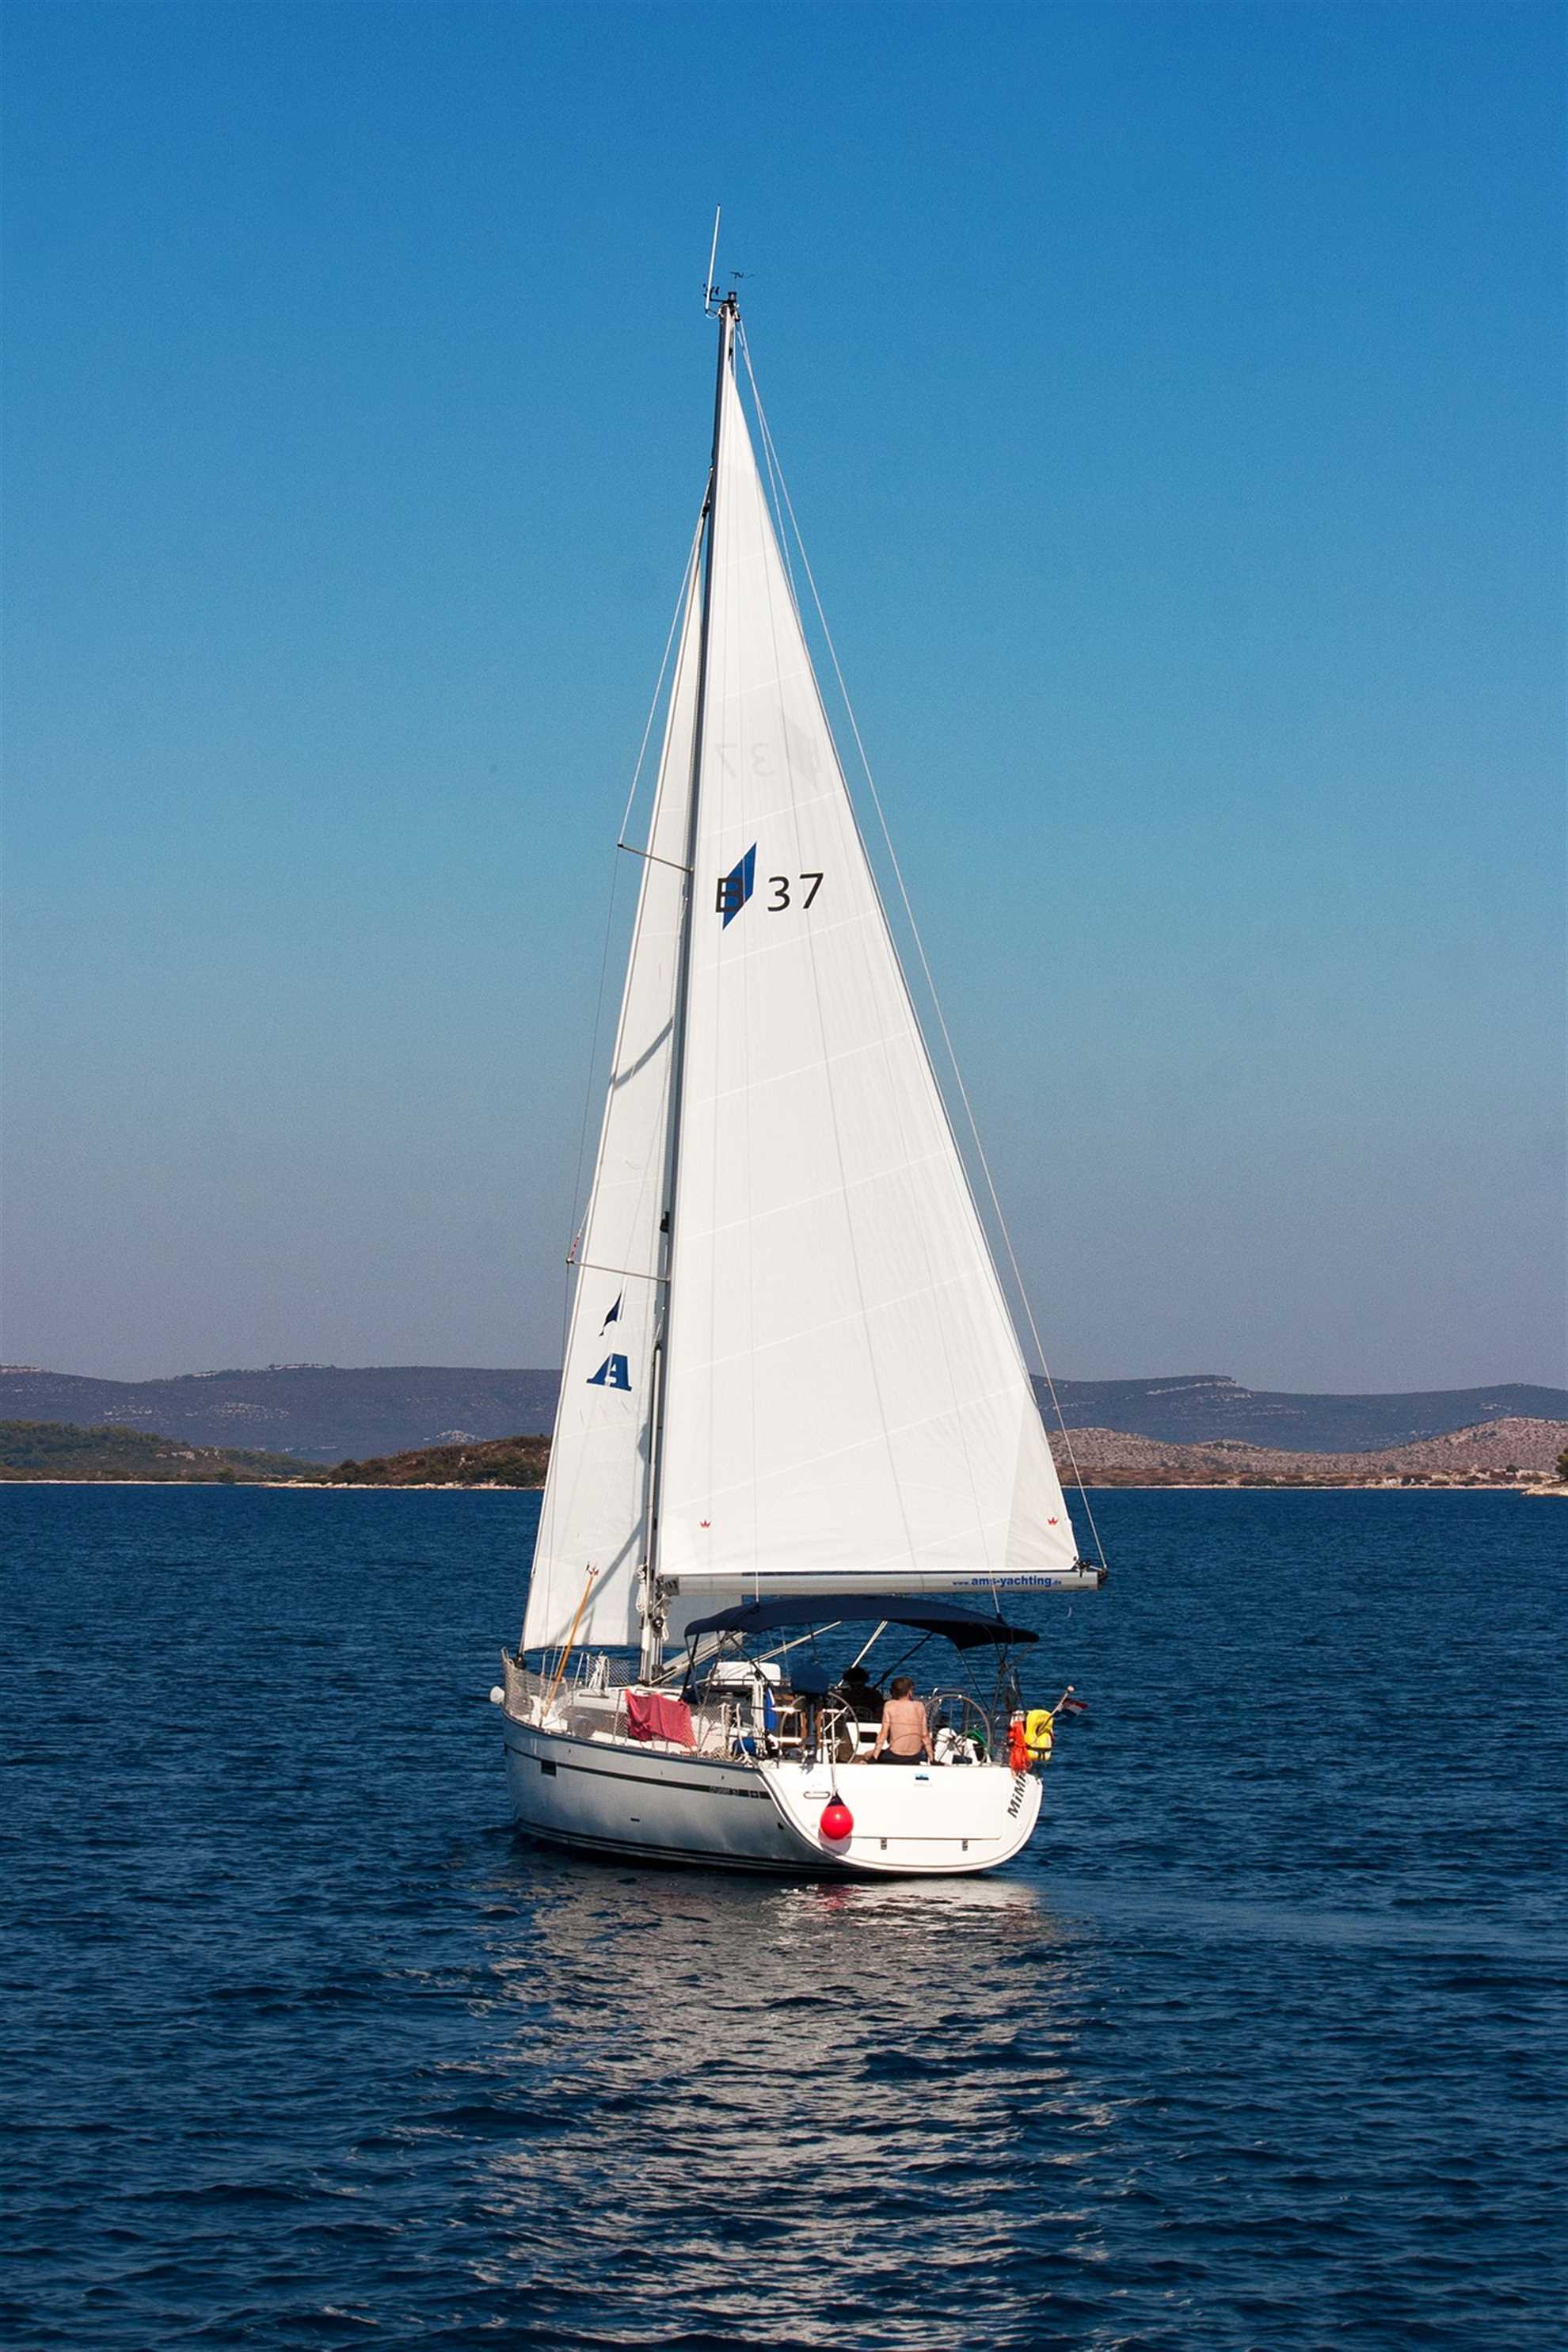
[846, 1401]
[828, 1393]
[595, 1513]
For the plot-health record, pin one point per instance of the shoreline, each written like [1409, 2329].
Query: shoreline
[1121, 1486]
[303, 1485]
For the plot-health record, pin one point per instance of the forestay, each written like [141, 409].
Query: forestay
[595, 1513]
[847, 1402]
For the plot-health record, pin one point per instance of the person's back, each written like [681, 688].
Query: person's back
[905, 1735]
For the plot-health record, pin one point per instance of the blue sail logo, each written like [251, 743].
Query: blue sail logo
[736, 886]
[613, 1373]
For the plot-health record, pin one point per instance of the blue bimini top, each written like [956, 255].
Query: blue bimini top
[966, 1629]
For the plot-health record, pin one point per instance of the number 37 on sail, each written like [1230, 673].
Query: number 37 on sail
[799, 1486]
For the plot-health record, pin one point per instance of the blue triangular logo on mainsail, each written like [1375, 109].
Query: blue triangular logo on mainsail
[612, 1374]
[613, 1317]
[736, 886]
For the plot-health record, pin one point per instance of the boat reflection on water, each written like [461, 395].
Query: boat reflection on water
[742, 2106]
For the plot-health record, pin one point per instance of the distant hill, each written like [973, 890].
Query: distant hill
[315, 1412]
[53, 1449]
[1196, 1408]
[490, 1462]
[1504, 1452]
[39, 1450]
[321, 1412]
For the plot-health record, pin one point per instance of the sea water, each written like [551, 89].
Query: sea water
[1260, 2044]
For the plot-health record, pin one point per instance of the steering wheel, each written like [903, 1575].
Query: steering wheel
[839, 1731]
[955, 1711]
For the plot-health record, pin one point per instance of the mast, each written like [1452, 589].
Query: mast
[653, 1615]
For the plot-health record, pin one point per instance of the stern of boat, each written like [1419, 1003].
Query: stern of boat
[931, 1821]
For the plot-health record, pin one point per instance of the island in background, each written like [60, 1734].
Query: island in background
[1515, 1452]
[325, 1414]
[43, 1450]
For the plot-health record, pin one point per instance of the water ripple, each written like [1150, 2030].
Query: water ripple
[1258, 2047]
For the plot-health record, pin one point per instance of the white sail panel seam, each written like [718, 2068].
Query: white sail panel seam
[808, 1200]
[794, 1464]
[787, 808]
[758, 951]
[932, 1289]
[804, 1069]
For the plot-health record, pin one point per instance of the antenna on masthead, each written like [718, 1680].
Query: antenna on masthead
[710, 290]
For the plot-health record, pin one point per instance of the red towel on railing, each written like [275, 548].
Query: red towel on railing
[651, 1716]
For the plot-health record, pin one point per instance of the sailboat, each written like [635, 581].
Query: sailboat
[796, 1430]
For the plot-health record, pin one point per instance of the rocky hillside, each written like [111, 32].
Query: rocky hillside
[498, 1462]
[1196, 1409]
[1500, 1451]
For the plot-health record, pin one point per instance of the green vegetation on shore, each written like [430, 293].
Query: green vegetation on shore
[57, 1449]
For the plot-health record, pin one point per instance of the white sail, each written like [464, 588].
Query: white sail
[845, 1397]
[594, 1512]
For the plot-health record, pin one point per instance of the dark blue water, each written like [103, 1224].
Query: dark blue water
[1261, 2045]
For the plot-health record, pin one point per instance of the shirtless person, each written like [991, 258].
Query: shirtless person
[905, 1735]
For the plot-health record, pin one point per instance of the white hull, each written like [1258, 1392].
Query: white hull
[608, 1796]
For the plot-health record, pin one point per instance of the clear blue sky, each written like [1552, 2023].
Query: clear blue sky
[1171, 402]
